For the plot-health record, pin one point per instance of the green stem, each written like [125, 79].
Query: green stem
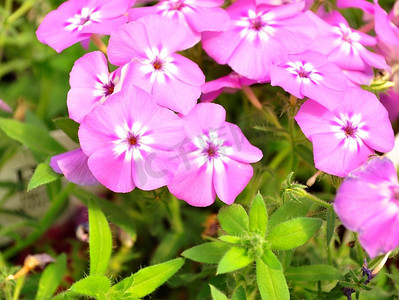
[56, 206]
[18, 287]
[174, 208]
[359, 249]
[314, 199]
[20, 11]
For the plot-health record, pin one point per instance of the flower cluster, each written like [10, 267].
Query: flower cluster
[130, 135]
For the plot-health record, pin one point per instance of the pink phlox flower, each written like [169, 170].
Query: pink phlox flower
[230, 83]
[214, 159]
[73, 164]
[91, 84]
[75, 21]
[149, 45]
[345, 46]
[345, 137]
[359, 78]
[368, 202]
[258, 35]
[197, 15]
[310, 74]
[387, 35]
[129, 141]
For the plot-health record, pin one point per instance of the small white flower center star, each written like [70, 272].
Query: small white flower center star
[350, 130]
[304, 72]
[256, 25]
[105, 86]
[130, 140]
[159, 64]
[210, 149]
[84, 18]
[347, 40]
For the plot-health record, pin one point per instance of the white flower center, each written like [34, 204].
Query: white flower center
[350, 130]
[257, 25]
[304, 72]
[159, 64]
[86, 17]
[105, 86]
[347, 40]
[130, 140]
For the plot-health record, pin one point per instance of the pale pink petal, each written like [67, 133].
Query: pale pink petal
[188, 71]
[332, 157]
[198, 120]
[221, 45]
[208, 19]
[111, 170]
[73, 165]
[129, 41]
[139, 12]
[194, 185]
[155, 170]
[168, 33]
[313, 118]
[106, 26]
[230, 178]
[242, 150]
[176, 95]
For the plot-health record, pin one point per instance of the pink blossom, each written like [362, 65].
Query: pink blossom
[229, 84]
[345, 46]
[345, 137]
[310, 74]
[149, 45]
[197, 15]
[73, 165]
[91, 84]
[128, 141]
[214, 159]
[368, 202]
[257, 36]
[75, 21]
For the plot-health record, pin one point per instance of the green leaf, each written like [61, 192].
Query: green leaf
[209, 253]
[271, 282]
[234, 220]
[271, 260]
[239, 294]
[234, 259]
[94, 286]
[330, 224]
[216, 294]
[149, 279]
[32, 136]
[230, 239]
[288, 211]
[258, 216]
[100, 240]
[51, 278]
[294, 233]
[313, 273]
[43, 174]
[69, 126]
